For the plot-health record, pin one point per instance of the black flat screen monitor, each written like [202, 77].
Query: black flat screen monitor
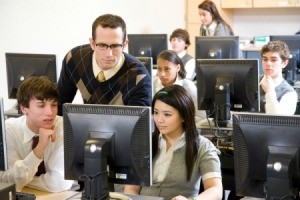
[290, 72]
[20, 66]
[266, 155]
[106, 143]
[147, 45]
[147, 62]
[225, 85]
[217, 47]
[3, 151]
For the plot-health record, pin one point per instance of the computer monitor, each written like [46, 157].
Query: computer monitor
[3, 151]
[290, 72]
[225, 85]
[220, 47]
[147, 45]
[107, 143]
[266, 155]
[20, 66]
[147, 62]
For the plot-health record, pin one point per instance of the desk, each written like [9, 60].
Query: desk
[74, 195]
[226, 150]
[42, 195]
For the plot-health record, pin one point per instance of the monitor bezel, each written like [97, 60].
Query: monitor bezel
[137, 41]
[3, 144]
[14, 82]
[203, 44]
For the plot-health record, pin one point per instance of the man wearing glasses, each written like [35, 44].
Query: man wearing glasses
[102, 72]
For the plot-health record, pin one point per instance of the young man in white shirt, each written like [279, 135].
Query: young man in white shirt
[180, 41]
[42, 166]
[279, 97]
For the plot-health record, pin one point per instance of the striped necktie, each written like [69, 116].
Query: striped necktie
[101, 76]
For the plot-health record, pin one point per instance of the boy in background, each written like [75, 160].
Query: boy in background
[277, 95]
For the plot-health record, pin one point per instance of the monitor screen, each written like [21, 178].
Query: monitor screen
[225, 85]
[107, 143]
[221, 47]
[3, 153]
[266, 155]
[291, 71]
[147, 45]
[21, 66]
[147, 62]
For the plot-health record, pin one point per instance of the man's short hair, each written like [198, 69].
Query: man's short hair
[109, 21]
[41, 88]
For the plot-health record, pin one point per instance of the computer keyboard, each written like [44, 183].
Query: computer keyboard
[25, 196]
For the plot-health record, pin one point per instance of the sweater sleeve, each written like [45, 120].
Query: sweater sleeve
[141, 94]
[66, 88]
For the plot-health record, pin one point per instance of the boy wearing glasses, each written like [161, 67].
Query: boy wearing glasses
[277, 95]
[102, 72]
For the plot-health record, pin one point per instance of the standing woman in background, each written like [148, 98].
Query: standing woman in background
[212, 22]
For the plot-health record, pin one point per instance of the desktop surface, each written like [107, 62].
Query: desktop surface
[133, 197]
[43, 195]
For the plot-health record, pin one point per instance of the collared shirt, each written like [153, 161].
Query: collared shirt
[23, 164]
[110, 72]
[189, 66]
[286, 105]
[165, 156]
[210, 30]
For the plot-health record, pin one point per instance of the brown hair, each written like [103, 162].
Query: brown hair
[40, 88]
[210, 6]
[183, 34]
[279, 47]
[109, 21]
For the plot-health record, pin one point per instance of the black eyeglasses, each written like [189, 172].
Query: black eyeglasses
[114, 47]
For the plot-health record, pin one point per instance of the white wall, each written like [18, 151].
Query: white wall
[263, 22]
[55, 26]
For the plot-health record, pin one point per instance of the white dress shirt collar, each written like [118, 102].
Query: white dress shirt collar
[210, 30]
[162, 164]
[28, 134]
[107, 73]
[278, 80]
[181, 54]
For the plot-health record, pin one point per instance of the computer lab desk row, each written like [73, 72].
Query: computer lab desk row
[74, 195]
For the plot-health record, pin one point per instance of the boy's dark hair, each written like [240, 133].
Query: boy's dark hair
[109, 21]
[41, 88]
[183, 34]
[279, 47]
